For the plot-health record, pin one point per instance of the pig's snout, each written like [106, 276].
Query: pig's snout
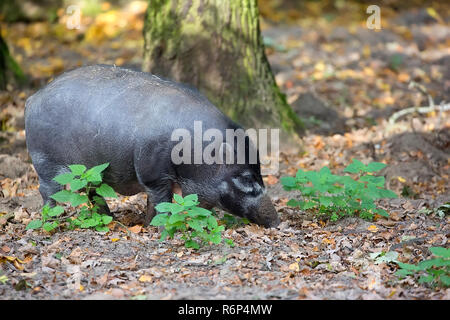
[265, 214]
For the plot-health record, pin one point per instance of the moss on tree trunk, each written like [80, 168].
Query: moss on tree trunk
[216, 46]
[9, 69]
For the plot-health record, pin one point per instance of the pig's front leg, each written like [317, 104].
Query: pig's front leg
[153, 174]
[155, 196]
[101, 203]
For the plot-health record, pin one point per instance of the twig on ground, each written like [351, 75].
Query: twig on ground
[430, 108]
[401, 113]
[122, 225]
[407, 242]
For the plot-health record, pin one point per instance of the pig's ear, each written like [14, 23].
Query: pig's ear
[240, 152]
[226, 154]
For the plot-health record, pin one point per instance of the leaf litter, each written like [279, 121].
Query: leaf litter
[357, 74]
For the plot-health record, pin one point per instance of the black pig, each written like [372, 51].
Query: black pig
[98, 114]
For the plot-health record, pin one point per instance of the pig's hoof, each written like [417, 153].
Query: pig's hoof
[147, 218]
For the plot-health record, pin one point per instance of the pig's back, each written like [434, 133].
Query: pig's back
[102, 93]
[103, 101]
[99, 114]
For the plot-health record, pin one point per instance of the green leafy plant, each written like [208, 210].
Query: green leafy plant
[396, 61]
[441, 211]
[384, 257]
[337, 196]
[197, 226]
[231, 221]
[3, 279]
[435, 271]
[82, 182]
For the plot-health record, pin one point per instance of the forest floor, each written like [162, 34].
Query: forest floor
[344, 79]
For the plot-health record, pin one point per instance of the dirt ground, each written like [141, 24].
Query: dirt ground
[341, 78]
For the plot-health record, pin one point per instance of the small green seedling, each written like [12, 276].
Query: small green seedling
[231, 221]
[441, 211]
[435, 271]
[396, 61]
[337, 196]
[197, 225]
[384, 257]
[3, 279]
[82, 182]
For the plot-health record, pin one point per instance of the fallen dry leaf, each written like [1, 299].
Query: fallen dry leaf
[16, 261]
[103, 279]
[75, 255]
[135, 229]
[145, 278]
[6, 249]
[271, 180]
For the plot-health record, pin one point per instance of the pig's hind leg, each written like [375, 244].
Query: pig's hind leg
[153, 175]
[46, 172]
[48, 187]
[155, 195]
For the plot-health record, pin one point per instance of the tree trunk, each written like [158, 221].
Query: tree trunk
[216, 46]
[2, 63]
[9, 69]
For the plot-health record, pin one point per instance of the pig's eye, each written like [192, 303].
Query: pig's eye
[246, 177]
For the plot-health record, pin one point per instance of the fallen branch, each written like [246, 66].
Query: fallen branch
[430, 108]
[401, 113]
[408, 242]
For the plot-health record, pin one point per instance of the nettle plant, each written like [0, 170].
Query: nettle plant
[82, 182]
[197, 225]
[337, 196]
[435, 271]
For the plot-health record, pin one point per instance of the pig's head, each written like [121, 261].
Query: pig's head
[242, 191]
[235, 187]
[243, 194]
